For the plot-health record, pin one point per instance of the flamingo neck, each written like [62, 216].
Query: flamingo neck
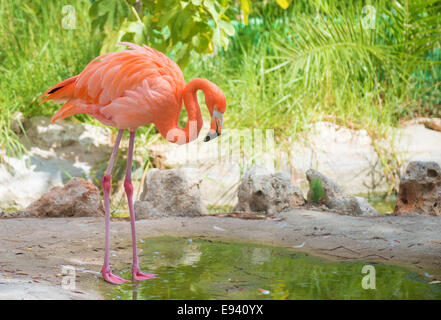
[191, 131]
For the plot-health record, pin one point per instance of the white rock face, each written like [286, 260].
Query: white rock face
[173, 192]
[419, 144]
[263, 191]
[47, 135]
[347, 156]
[220, 176]
[56, 152]
[344, 155]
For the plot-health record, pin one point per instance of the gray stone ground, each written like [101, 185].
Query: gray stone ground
[34, 250]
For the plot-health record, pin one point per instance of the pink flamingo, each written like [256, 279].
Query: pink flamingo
[129, 89]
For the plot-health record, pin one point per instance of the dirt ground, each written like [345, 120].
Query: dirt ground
[33, 251]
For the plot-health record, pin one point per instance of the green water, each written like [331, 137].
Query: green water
[381, 204]
[205, 269]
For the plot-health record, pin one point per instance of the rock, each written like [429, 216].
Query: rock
[263, 191]
[358, 206]
[332, 193]
[429, 123]
[173, 192]
[220, 178]
[78, 198]
[344, 155]
[420, 190]
[347, 157]
[17, 120]
[333, 197]
[56, 152]
[15, 214]
[45, 134]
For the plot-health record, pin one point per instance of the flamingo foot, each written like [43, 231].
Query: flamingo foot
[110, 277]
[139, 276]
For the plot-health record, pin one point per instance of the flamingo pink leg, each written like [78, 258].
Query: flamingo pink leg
[136, 272]
[105, 271]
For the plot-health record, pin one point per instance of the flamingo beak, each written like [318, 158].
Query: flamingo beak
[216, 126]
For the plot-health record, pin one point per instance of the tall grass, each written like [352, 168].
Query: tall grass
[318, 61]
[35, 53]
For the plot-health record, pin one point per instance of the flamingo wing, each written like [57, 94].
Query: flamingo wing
[130, 79]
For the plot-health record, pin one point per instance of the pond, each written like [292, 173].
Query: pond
[204, 269]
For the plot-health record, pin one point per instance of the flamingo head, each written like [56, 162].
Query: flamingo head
[216, 104]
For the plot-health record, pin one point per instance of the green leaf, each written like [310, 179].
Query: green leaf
[183, 55]
[171, 26]
[136, 28]
[108, 14]
[217, 36]
[165, 19]
[227, 27]
[209, 5]
[201, 43]
[182, 51]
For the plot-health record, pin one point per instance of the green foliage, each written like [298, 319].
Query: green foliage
[282, 69]
[308, 63]
[35, 53]
[189, 26]
[337, 48]
[317, 191]
[108, 14]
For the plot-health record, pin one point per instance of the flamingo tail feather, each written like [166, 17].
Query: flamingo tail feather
[60, 91]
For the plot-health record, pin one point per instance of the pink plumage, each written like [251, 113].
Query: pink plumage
[129, 89]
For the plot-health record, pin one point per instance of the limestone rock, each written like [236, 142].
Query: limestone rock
[335, 199]
[173, 192]
[220, 179]
[14, 214]
[429, 123]
[17, 120]
[45, 134]
[347, 156]
[56, 152]
[358, 206]
[263, 191]
[332, 193]
[420, 190]
[78, 198]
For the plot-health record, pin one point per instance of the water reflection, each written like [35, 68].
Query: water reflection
[205, 269]
[184, 252]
